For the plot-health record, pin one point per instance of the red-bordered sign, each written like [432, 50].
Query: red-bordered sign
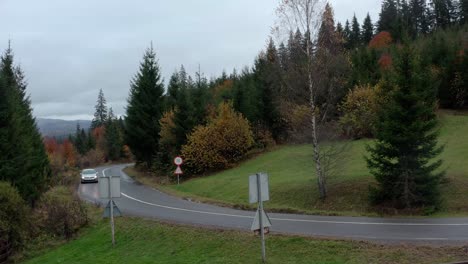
[178, 161]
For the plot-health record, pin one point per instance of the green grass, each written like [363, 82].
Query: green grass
[293, 182]
[145, 241]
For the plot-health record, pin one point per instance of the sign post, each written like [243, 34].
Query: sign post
[178, 161]
[111, 211]
[259, 192]
[109, 188]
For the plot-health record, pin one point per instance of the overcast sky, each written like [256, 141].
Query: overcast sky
[70, 49]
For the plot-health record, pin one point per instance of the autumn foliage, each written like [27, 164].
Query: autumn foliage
[218, 145]
[381, 40]
[360, 111]
[385, 61]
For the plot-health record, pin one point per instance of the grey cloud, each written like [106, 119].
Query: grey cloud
[71, 49]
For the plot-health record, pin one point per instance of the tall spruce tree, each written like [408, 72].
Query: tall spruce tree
[401, 160]
[347, 35]
[388, 18]
[367, 30]
[100, 113]
[113, 137]
[24, 162]
[419, 20]
[145, 108]
[355, 38]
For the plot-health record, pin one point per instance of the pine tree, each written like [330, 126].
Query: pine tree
[401, 160]
[145, 108]
[172, 91]
[463, 11]
[80, 140]
[183, 119]
[443, 13]
[388, 18]
[355, 38]
[199, 97]
[347, 35]
[419, 23]
[24, 162]
[100, 114]
[113, 137]
[367, 30]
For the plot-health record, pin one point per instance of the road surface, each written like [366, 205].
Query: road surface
[143, 201]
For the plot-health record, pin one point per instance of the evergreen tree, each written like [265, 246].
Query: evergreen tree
[367, 30]
[463, 11]
[172, 91]
[355, 38]
[24, 162]
[80, 140]
[145, 108]
[388, 18]
[406, 141]
[199, 97]
[183, 119]
[113, 137]
[443, 13]
[347, 35]
[419, 21]
[100, 114]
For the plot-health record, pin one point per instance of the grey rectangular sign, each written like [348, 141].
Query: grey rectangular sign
[253, 191]
[104, 187]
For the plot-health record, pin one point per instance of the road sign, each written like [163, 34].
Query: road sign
[104, 192]
[178, 161]
[256, 223]
[107, 210]
[178, 170]
[253, 188]
[259, 192]
[109, 188]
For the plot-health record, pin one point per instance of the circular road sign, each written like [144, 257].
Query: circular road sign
[178, 161]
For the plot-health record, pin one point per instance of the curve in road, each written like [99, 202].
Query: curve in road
[143, 201]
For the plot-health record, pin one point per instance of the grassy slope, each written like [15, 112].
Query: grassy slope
[293, 186]
[145, 241]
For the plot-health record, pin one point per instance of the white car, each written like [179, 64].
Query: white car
[89, 175]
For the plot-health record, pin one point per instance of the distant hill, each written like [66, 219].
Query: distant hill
[60, 128]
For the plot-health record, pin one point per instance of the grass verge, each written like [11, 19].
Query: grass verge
[146, 241]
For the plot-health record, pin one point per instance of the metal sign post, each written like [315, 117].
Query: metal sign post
[109, 188]
[111, 211]
[258, 193]
[260, 216]
[178, 161]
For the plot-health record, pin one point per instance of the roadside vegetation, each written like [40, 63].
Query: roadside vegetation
[147, 241]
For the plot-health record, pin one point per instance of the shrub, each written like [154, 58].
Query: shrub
[360, 112]
[14, 215]
[222, 142]
[61, 213]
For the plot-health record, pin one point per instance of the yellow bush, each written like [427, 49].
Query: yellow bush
[360, 111]
[222, 142]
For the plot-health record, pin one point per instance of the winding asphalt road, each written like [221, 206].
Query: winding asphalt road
[143, 201]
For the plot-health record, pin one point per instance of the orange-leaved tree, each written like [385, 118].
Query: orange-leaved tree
[221, 143]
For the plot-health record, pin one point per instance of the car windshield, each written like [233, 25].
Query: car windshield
[89, 171]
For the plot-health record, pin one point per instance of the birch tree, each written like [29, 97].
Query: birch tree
[320, 48]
